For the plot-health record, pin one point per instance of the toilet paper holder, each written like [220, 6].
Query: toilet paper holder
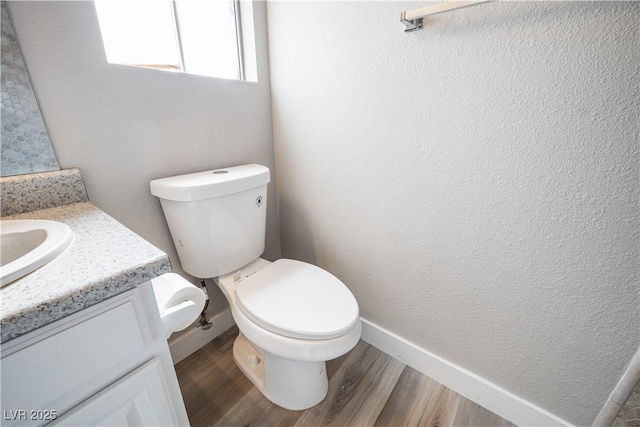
[179, 302]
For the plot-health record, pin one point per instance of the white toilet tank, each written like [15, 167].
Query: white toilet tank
[217, 218]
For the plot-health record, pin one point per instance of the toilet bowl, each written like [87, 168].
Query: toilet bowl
[292, 316]
[289, 370]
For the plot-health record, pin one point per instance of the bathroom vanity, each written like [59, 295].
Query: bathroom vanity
[82, 339]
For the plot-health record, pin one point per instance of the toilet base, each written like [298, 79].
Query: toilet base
[290, 384]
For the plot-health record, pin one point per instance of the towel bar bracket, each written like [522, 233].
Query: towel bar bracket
[412, 20]
[410, 24]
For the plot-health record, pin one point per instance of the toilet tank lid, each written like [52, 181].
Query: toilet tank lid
[210, 184]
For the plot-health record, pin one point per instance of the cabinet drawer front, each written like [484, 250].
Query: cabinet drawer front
[38, 374]
[141, 398]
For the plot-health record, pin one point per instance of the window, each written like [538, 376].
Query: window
[205, 37]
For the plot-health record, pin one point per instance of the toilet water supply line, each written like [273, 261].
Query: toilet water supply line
[203, 320]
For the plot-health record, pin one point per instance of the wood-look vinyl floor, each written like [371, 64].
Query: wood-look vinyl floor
[366, 388]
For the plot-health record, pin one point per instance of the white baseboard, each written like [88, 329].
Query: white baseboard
[473, 387]
[184, 345]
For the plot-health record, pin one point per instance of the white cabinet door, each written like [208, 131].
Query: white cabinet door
[141, 398]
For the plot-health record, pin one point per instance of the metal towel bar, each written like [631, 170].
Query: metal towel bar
[412, 20]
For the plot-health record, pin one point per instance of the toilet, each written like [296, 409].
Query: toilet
[292, 316]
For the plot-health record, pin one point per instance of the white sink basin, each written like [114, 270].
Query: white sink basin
[28, 244]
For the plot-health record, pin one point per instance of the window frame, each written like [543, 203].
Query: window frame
[246, 67]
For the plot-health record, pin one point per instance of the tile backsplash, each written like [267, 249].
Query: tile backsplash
[25, 146]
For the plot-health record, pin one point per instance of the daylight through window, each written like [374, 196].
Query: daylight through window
[204, 37]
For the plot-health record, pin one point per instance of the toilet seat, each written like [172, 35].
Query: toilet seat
[297, 300]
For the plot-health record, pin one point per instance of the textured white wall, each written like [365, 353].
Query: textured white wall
[474, 183]
[123, 126]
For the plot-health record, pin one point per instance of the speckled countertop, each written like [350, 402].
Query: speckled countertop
[105, 259]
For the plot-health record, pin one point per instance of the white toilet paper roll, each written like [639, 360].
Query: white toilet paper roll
[179, 302]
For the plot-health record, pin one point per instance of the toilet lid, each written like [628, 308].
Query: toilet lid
[297, 300]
